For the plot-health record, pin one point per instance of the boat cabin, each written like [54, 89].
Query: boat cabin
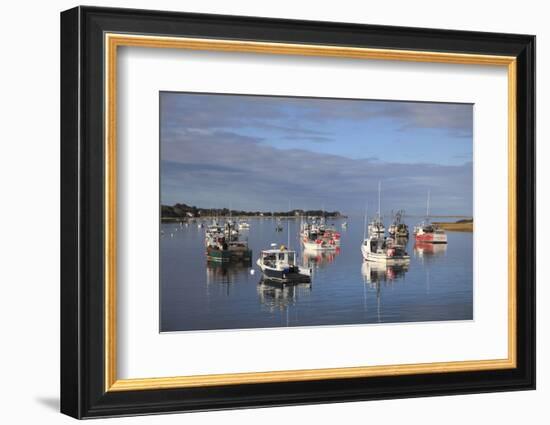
[278, 258]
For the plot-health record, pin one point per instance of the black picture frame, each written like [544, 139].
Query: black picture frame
[83, 392]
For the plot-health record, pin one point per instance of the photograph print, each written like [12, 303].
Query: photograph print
[284, 212]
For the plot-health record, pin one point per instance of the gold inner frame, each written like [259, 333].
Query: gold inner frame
[113, 41]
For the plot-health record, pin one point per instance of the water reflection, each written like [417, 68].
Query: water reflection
[196, 295]
[374, 273]
[279, 296]
[313, 259]
[425, 250]
[226, 273]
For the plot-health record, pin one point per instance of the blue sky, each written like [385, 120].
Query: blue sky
[260, 152]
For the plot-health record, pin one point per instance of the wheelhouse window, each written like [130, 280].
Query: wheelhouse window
[291, 258]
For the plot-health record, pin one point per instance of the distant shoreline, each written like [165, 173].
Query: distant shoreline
[243, 217]
[184, 212]
[457, 226]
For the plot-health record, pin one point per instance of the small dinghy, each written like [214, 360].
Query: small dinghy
[243, 225]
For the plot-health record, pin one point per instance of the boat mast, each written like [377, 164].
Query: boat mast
[288, 227]
[428, 206]
[379, 187]
[365, 223]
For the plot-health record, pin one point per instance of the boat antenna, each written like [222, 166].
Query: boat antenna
[365, 223]
[379, 188]
[428, 206]
[288, 227]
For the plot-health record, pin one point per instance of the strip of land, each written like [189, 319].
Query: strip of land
[466, 225]
[181, 212]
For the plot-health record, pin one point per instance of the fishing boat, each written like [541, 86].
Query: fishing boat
[376, 226]
[280, 265]
[318, 236]
[378, 249]
[429, 232]
[398, 229]
[228, 252]
[224, 245]
[314, 236]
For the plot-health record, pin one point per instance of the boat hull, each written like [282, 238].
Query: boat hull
[386, 260]
[431, 238]
[288, 277]
[229, 256]
[383, 258]
[293, 275]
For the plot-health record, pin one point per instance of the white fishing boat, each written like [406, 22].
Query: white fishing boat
[281, 265]
[379, 250]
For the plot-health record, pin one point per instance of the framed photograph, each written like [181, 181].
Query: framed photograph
[261, 212]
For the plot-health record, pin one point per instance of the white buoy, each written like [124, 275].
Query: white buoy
[171, 235]
[252, 272]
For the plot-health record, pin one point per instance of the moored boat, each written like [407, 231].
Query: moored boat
[428, 232]
[223, 244]
[229, 251]
[281, 265]
[318, 236]
[379, 250]
[243, 225]
[398, 229]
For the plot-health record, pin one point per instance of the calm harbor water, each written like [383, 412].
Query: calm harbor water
[436, 284]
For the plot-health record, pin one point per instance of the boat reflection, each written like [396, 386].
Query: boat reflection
[427, 250]
[374, 272]
[376, 275]
[279, 296]
[314, 259]
[226, 273]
